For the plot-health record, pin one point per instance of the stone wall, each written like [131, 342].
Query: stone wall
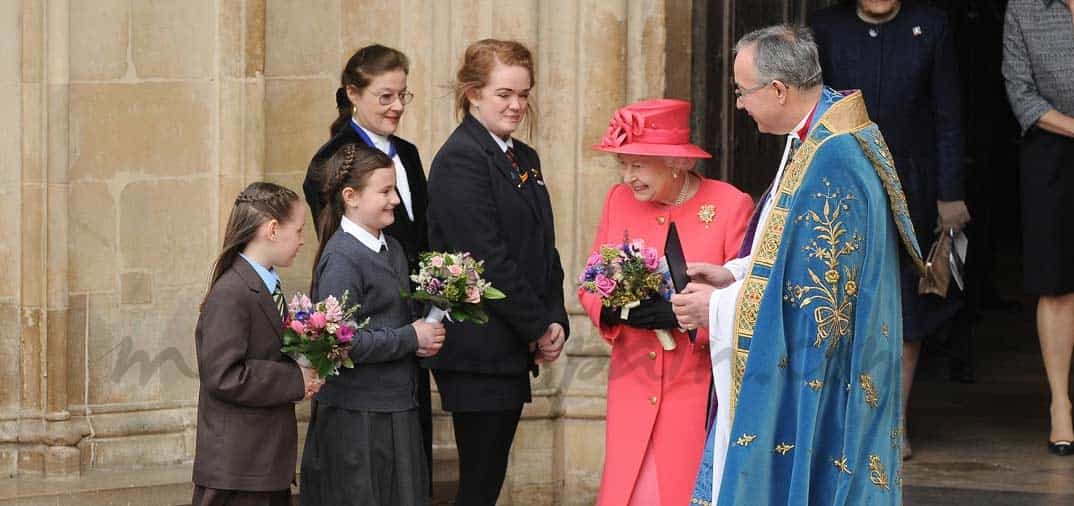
[126, 129]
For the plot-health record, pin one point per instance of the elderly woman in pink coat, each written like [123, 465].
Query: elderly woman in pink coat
[657, 399]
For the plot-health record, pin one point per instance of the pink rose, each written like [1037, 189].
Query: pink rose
[298, 327]
[605, 285]
[437, 261]
[473, 295]
[651, 260]
[454, 270]
[345, 334]
[594, 259]
[318, 320]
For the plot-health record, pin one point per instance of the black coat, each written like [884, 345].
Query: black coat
[907, 70]
[908, 74]
[412, 234]
[477, 205]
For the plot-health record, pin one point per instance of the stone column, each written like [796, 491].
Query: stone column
[12, 91]
[240, 79]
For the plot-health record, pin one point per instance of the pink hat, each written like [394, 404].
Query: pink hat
[657, 127]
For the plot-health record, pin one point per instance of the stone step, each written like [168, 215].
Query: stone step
[161, 485]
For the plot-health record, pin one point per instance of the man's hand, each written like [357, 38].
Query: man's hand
[550, 345]
[952, 215]
[710, 274]
[691, 307]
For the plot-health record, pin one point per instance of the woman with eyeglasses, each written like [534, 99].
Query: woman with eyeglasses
[371, 99]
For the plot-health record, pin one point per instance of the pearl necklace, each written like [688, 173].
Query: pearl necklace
[684, 191]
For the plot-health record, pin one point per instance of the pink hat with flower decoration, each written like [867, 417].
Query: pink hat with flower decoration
[657, 127]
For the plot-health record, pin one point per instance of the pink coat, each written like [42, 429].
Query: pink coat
[654, 394]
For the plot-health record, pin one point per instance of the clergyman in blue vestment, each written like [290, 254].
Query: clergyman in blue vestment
[806, 324]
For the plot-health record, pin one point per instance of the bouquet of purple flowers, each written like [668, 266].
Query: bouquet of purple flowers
[319, 335]
[452, 284]
[625, 274]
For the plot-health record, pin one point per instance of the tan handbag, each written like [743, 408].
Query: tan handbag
[937, 274]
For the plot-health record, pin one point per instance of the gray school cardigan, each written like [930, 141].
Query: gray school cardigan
[384, 375]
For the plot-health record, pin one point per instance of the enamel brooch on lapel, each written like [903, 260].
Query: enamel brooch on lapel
[706, 213]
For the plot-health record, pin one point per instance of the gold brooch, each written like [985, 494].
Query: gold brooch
[706, 213]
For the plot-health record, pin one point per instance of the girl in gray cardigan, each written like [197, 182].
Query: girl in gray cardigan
[364, 442]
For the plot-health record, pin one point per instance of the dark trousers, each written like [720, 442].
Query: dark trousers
[204, 496]
[484, 440]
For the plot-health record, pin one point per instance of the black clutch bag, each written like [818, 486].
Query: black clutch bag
[677, 266]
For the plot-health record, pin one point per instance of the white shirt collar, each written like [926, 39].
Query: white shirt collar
[509, 143]
[382, 143]
[363, 235]
[801, 124]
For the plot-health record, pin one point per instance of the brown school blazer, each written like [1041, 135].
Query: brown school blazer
[247, 438]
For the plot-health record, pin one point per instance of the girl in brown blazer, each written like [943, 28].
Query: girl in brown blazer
[247, 436]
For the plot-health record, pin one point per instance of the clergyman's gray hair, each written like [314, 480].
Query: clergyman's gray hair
[785, 53]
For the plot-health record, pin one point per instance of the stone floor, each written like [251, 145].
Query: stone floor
[980, 443]
[984, 443]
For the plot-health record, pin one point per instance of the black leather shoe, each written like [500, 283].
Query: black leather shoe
[1061, 448]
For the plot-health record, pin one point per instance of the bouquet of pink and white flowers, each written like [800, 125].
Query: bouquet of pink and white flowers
[452, 284]
[625, 274]
[319, 335]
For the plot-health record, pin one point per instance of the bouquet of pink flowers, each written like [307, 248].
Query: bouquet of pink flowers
[452, 283]
[319, 335]
[625, 274]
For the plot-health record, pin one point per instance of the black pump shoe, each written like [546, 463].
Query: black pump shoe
[1061, 448]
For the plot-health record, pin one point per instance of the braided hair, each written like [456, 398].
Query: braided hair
[350, 167]
[258, 203]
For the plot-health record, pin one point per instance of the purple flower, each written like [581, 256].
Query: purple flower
[345, 333]
[605, 285]
[302, 316]
[432, 287]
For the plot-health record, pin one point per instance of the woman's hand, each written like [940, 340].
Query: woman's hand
[312, 381]
[652, 313]
[430, 337]
[710, 274]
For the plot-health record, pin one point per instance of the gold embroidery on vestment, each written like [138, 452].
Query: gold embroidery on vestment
[841, 464]
[745, 439]
[867, 386]
[784, 448]
[831, 296]
[876, 472]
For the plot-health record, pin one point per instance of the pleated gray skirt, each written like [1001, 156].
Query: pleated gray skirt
[354, 457]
